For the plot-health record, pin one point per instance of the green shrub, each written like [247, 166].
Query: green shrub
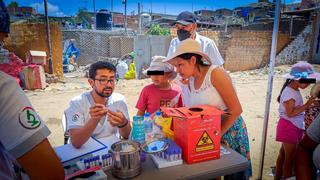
[158, 30]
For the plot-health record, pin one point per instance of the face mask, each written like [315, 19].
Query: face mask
[183, 34]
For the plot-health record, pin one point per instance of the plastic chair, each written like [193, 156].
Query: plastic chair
[64, 128]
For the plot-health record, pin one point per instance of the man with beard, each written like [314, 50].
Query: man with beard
[100, 112]
[186, 24]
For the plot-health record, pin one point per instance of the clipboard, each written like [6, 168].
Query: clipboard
[68, 152]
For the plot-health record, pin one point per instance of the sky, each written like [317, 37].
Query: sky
[174, 7]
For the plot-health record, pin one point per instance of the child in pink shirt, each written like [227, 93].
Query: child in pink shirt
[161, 92]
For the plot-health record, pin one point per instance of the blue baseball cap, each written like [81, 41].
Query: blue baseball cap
[4, 19]
[186, 18]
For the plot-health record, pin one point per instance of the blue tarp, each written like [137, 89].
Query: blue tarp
[71, 50]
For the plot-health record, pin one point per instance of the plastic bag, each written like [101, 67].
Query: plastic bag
[122, 69]
[131, 74]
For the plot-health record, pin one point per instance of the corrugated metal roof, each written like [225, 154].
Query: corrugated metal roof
[38, 53]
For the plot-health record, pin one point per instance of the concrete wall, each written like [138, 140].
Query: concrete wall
[148, 46]
[25, 37]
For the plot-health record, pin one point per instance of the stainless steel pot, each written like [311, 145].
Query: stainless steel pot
[125, 159]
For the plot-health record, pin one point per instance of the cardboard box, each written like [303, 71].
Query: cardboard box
[197, 131]
[34, 76]
[36, 57]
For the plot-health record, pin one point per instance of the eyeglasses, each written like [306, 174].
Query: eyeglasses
[105, 81]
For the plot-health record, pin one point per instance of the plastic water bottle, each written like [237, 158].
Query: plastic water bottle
[138, 133]
[157, 122]
[138, 129]
[148, 126]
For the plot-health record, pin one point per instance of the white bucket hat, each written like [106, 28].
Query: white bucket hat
[189, 46]
[158, 64]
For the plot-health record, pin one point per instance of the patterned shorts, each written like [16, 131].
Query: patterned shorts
[237, 139]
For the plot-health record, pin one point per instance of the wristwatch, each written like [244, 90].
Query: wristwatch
[121, 126]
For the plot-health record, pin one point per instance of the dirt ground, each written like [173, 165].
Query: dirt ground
[250, 85]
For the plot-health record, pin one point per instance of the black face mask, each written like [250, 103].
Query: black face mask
[183, 34]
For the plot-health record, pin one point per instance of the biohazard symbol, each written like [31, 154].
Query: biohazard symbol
[205, 143]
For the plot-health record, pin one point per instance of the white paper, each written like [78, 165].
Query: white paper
[108, 141]
[68, 152]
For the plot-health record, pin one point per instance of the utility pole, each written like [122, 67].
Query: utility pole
[94, 14]
[112, 12]
[192, 6]
[125, 15]
[151, 8]
[94, 6]
[139, 18]
[48, 36]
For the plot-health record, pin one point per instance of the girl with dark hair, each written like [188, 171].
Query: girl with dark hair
[290, 126]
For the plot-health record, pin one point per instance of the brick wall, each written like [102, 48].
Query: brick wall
[25, 37]
[243, 49]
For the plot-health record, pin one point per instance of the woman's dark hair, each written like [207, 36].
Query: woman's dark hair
[100, 65]
[199, 62]
[187, 56]
[288, 81]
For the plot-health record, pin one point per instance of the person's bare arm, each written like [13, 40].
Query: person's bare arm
[140, 113]
[292, 111]
[222, 82]
[42, 162]
[80, 135]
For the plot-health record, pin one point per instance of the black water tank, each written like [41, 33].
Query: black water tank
[103, 20]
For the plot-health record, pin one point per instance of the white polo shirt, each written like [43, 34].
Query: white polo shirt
[21, 128]
[77, 113]
[208, 47]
